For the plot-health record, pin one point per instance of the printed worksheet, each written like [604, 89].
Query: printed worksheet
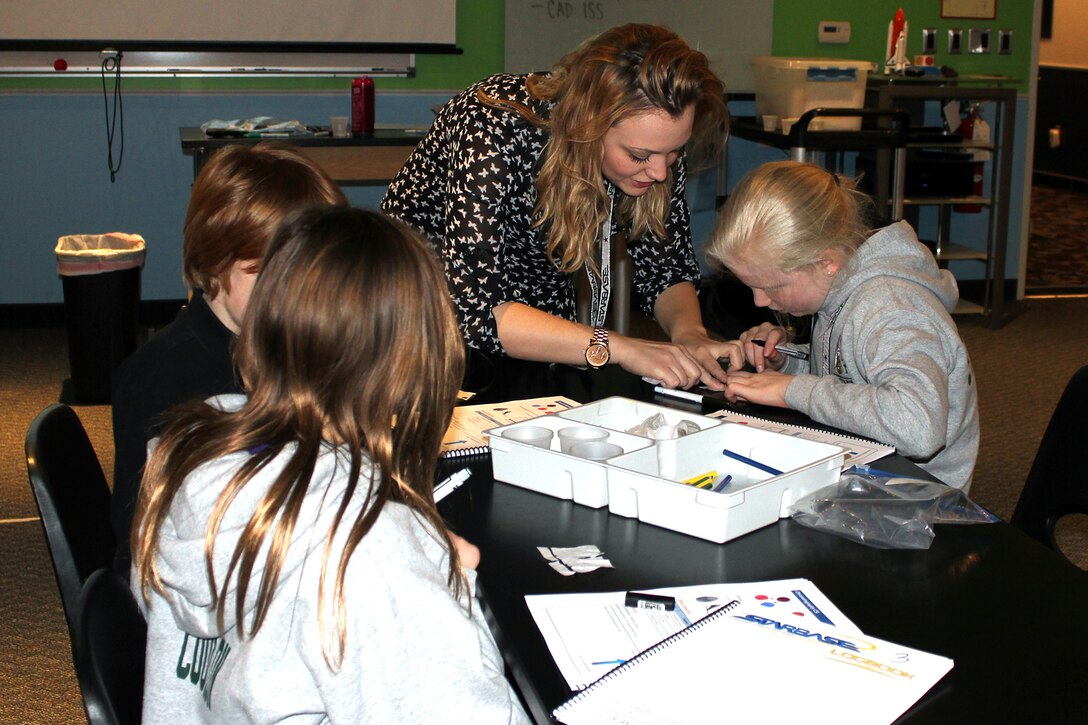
[592, 633]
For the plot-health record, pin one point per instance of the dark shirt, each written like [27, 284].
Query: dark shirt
[189, 359]
[470, 187]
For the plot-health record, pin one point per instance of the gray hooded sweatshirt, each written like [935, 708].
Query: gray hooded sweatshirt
[413, 652]
[887, 362]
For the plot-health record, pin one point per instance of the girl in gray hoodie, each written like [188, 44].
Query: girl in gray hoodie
[885, 359]
[286, 547]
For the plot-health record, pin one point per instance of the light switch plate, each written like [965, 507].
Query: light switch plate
[929, 41]
[978, 40]
[955, 41]
[1004, 42]
[834, 31]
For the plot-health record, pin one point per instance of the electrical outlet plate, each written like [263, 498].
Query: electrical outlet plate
[833, 31]
[955, 41]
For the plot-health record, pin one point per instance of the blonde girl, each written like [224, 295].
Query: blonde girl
[885, 360]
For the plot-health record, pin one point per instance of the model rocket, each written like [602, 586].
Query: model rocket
[897, 44]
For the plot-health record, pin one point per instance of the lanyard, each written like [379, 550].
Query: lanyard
[601, 288]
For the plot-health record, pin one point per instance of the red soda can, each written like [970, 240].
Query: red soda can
[362, 105]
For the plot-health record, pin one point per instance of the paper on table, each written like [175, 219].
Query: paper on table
[589, 634]
[465, 435]
[745, 667]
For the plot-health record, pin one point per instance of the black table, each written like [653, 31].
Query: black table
[1010, 612]
[372, 159]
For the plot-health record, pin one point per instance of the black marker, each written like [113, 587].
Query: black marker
[641, 600]
[787, 351]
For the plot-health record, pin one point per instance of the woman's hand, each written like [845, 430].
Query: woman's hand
[766, 388]
[715, 357]
[663, 361]
[763, 357]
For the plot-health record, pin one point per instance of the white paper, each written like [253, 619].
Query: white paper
[589, 634]
[744, 668]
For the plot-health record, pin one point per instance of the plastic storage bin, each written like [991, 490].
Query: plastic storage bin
[646, 483]
[623, 414]
[787, 87]
[547, 470]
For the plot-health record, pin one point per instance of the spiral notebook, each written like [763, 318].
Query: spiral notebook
[859, 451]
[465, 435]
[730, 667]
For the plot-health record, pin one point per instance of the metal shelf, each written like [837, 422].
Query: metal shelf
[913, 98]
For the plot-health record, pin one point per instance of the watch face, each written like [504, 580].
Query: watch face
[597, 354]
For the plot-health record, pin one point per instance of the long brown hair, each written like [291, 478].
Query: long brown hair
[237, 202]
[623, 72]
[349, 339]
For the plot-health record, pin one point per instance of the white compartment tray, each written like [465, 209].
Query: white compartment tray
[646, 483]
[623, 414]
[548, 470]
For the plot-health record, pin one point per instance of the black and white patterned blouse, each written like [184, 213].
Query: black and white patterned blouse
[470, 187]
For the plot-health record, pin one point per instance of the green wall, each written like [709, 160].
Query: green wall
[481, 32]
[796, 22]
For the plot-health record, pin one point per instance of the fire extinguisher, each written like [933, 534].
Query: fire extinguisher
[970, 127]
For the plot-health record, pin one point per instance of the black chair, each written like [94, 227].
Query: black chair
[109, 650]
[1057, 484]
[73, 499]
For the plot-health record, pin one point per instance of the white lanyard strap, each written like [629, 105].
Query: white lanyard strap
[601, 288]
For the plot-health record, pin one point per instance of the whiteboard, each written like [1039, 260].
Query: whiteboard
[729, 32]
[245, 35]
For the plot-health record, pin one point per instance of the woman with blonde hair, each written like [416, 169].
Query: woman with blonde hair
[287, 548]
[524, 179]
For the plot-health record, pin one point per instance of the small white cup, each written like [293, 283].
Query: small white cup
[770, 122]
[339, 126]
[534, 435]
[570, 437]
[787, 124]
[596, 450]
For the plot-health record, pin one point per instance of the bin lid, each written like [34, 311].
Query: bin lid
[79, 254]
[776, 61]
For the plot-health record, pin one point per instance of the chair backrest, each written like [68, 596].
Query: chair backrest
[1057, 484]
[73, 499]
[109, 651]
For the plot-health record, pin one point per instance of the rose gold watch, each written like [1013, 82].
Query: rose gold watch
[597, 354]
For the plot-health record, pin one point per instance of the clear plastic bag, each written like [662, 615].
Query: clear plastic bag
[658, 428]
[885, 512]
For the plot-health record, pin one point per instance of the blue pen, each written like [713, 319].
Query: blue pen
[720, 485]
[875, 472]
[750, 462]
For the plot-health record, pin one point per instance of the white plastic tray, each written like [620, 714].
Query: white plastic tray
[548, 470]
[646, 483]
[622, 414]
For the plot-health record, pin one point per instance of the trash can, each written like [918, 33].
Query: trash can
[101, 278]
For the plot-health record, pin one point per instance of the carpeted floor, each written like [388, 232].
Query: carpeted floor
[1058, 246]
[1022, 369]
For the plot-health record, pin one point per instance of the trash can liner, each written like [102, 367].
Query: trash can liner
[79, 254]
[100, 274]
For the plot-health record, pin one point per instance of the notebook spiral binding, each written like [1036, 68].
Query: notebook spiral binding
[647, 654]
[461, 452]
